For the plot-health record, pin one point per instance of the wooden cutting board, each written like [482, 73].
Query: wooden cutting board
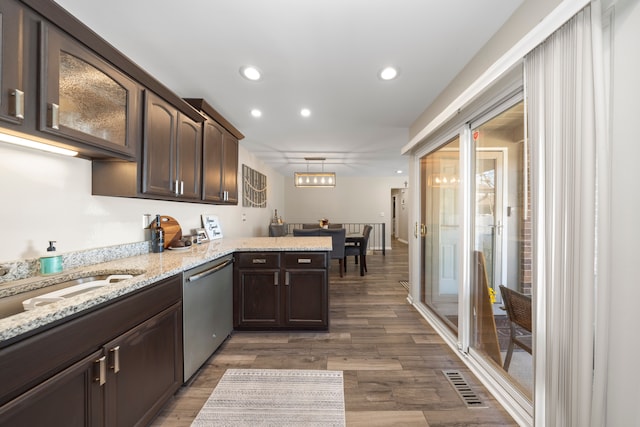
[172, 229]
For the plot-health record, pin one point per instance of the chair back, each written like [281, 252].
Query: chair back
[366, 232]
[518, 307]
[306, 231]
[335, 225]
[338, 237]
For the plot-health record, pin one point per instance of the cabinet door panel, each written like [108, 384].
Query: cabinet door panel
[150, 369]
[306, 298]
[12, 64]
[189, 143]
[258, 298]
[84, 98]
[159, 147]
[71, 398]
[212, 163]
[230, 168]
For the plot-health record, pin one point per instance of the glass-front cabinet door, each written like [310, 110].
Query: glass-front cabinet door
[85, 98]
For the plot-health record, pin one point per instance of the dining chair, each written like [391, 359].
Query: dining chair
[518, 308]
[359, 251]
[306, 231]
[338, 236]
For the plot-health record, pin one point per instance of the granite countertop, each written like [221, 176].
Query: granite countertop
[149, 267]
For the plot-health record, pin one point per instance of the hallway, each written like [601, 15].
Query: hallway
[391, 358]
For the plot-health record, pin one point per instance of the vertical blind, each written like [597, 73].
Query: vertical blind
[563, 123]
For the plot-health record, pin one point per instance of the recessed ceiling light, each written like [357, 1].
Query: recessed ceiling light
[305, 112]
[256, 113]
[398, 171]
[250, 72]
[388, 73]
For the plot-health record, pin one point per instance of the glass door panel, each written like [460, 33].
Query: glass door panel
[440, 231]
[502, 252]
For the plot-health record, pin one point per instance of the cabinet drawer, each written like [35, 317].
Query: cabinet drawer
[305, 260]
[258, 260]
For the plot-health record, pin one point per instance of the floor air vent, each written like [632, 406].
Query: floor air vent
[468, 396]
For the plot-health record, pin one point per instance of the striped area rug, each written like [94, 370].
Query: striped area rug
[275, 397]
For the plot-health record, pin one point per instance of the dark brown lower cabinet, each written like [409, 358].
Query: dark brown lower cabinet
[287, 290]
[114, 366]
[70, 398]
[143, 370]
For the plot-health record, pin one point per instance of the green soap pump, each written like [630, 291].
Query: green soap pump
[51, 264]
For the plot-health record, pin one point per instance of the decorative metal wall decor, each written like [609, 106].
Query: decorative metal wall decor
[254, 188]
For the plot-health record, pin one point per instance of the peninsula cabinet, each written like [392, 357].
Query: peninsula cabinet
[172, 151]
[287, 290]
[219, 155]
[114, 366]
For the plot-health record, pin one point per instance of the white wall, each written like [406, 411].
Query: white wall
[624, 370]
[48, 197]
[353, 199]
[527, 16]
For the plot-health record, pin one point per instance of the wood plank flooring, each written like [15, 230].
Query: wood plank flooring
[391, 358]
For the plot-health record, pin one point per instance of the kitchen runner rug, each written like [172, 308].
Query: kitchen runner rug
[275, 397]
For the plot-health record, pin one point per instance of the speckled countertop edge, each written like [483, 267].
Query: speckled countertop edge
[152, 268]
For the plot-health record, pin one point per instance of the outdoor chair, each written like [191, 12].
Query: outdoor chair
[518, 307]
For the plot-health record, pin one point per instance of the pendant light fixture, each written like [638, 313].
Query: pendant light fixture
[314, 179]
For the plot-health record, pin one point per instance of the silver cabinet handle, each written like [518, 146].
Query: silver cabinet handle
[304, 260]
[177, 188]
[53, 116]
[115, 357]
[259, 261]
[276, 278]
[102, 370]
[182, 187]
[17, 106]
[287, 278]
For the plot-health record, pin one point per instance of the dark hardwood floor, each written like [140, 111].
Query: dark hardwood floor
[391, 358]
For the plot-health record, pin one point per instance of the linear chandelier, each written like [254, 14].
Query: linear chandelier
[314, 179]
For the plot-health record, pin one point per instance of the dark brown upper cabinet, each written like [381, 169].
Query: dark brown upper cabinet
[84, 98]
[219, 156]
[171, 151]
[220, 165]
[12, 70]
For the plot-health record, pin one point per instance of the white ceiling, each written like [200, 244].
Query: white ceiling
[320, 54]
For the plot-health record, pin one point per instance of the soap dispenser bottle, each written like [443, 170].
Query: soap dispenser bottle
[51, 263]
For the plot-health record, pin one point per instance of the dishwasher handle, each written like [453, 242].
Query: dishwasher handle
[211, 270]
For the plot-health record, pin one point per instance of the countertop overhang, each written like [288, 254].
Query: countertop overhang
[154, 267]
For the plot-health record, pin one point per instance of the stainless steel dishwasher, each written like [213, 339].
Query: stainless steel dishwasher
[207, 312]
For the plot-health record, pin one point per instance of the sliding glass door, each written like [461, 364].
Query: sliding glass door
[440, 231]
[502, 249]
[476, 243]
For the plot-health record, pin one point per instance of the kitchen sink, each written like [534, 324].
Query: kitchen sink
[87, 284]
[29, 300]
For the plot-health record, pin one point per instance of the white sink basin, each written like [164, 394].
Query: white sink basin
[61, 294]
